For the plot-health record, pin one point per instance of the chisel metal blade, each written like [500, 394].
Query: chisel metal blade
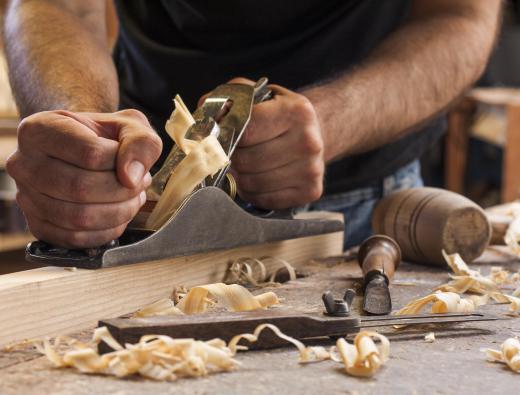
[377, 298]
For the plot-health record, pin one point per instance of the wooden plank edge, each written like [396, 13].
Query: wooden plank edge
[52, 301]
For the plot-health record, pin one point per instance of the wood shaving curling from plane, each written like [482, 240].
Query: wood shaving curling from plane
[178, 124]
[508, 354]
[203, 158]
[253, 271]
[234, 297]
[363, 358]
[442, 302]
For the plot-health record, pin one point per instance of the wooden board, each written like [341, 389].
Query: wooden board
[52, 300]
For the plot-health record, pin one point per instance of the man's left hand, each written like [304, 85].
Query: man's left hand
[279, 161]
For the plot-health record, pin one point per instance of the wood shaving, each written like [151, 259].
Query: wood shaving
[442, 302]
[234, 297]
[508, 354]
[159, 358]
[430, 337]
[178, 124]
[457, 264]
[363, 358]
[467, 280]
[307, 354]
[162, 358]
[203, 158]
[253, 271]
[160, 307]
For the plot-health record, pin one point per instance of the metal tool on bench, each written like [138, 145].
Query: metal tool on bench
[208, 219]
[379, 256]
[301, 326]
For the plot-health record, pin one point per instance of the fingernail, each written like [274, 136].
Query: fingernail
[142, 197]
[136, 172]
[147, 180]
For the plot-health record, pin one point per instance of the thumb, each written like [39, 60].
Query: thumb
[139, 148]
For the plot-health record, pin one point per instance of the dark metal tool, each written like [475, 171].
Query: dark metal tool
[338, 307]
[225, 325]
[208, 220]
[378, 257]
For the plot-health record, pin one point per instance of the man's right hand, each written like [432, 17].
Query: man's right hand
[81, 177]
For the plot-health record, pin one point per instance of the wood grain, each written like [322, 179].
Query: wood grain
[52, 300]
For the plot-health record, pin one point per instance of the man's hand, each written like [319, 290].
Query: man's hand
[279, 161]
[81, 177]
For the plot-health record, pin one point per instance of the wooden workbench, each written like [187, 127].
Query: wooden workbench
[453, 364]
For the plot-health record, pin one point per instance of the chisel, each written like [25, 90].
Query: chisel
[378, 257]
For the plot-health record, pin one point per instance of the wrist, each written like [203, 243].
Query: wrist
[322, 98]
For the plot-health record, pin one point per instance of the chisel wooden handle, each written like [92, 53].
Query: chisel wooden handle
[381, 254]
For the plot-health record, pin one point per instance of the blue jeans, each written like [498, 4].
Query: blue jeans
[357, 205]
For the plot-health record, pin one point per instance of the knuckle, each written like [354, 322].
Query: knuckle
[11, 164]
[314, 191]
[135, 114]
[312, 142]
[304, 109]
[155, 143]
[28, 124]
[315, 170]
[27, 128]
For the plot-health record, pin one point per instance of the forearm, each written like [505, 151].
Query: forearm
[412, 76]
[58, 57]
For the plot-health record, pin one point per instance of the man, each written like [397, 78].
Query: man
[358, 81]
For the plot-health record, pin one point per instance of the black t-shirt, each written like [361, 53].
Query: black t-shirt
[191, 46]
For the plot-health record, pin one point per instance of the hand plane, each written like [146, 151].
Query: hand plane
[209, 219]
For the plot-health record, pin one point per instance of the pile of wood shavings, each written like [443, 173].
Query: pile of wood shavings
[163, 358]
[508, 354]
[468, 280]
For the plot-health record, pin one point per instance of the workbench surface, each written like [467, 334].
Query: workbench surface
[453, 364]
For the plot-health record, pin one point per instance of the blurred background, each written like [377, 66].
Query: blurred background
[478, 156]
